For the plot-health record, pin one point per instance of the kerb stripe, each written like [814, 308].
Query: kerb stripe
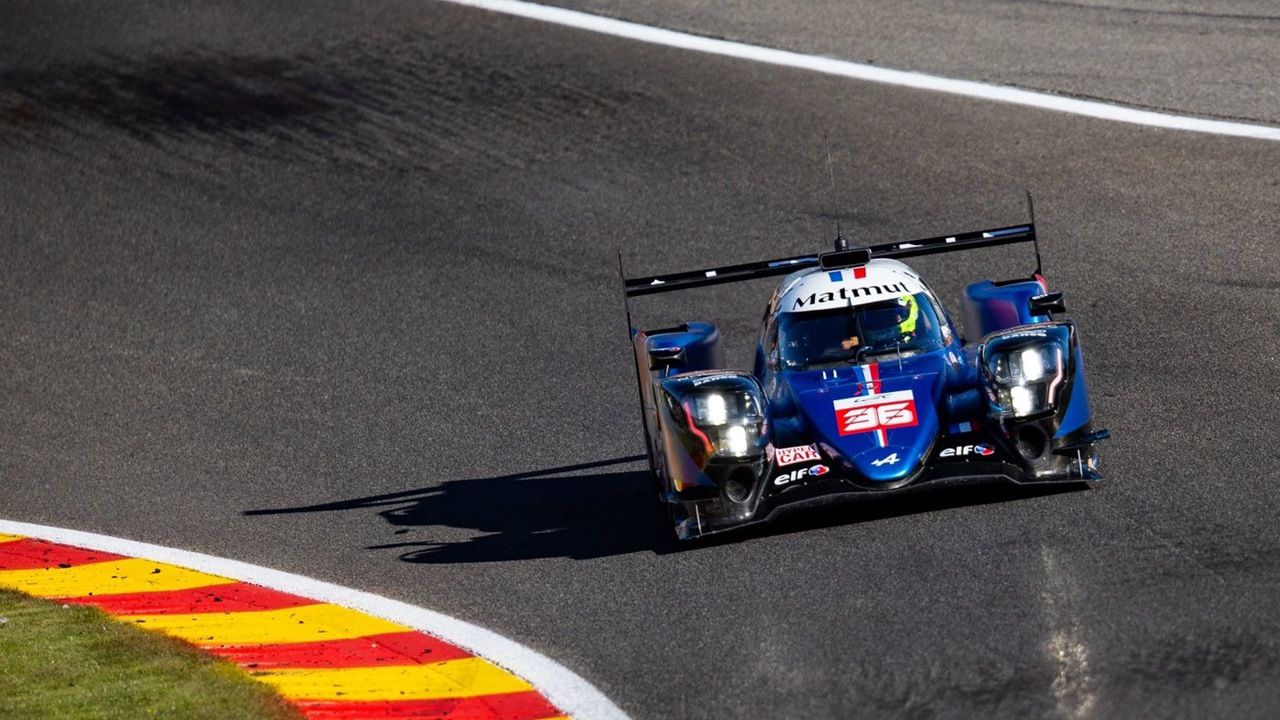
[509, 706]
[405, 648]
[269, 627]
[229, 597]
[467, 677]
[112, 577]
[26, 554]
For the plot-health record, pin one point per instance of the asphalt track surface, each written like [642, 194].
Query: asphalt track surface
[332, 288]
[1213, 59]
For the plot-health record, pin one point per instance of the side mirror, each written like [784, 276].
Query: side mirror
[665, 357]
[1047, 304]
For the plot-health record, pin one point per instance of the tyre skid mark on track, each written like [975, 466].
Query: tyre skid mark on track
[410, 101]
[1074, 684]
[332, 662]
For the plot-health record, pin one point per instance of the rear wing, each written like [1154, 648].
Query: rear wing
[653, 284]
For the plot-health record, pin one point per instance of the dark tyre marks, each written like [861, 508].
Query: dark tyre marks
[409, 103]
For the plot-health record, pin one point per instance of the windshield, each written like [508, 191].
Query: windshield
[907, 324]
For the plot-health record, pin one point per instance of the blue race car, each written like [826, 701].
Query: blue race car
[862, 383]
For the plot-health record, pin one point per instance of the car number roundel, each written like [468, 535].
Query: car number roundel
[870, 413]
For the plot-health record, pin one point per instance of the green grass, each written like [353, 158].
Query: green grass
[76, 662]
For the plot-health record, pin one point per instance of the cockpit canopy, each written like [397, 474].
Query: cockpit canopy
[821, 339]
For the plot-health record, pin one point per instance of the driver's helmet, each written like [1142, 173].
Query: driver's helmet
[891, 322]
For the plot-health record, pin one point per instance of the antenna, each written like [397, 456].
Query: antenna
[841, 243]
[1031, 213]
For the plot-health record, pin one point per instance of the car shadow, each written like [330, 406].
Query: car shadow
[584, 511]
[853, 509]
[576, 511]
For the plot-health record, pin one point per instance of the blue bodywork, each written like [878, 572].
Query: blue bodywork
[802, 404]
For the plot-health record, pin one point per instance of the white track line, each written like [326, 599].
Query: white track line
[567, 691]
[870, 73]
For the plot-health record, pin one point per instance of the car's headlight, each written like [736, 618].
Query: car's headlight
[731, 422]
[1025, 370]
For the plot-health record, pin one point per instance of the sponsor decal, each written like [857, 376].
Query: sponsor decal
[846, 294]
[1025, 334]
[768, 451]
[890, 459]
[798, 454]
[876, 413]
[801, 475]
[712, 378]
[962, 450]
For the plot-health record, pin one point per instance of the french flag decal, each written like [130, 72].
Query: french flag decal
[870, 376]
[859, 273]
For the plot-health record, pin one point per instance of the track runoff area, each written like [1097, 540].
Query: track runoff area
[333, 652]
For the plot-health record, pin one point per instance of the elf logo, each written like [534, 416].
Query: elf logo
[983, 450]
[801, 474]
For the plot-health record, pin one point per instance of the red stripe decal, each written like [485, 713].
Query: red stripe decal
[508, 706]
[31, 554]
[231, 597]
[407, 648]
[709, 448]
